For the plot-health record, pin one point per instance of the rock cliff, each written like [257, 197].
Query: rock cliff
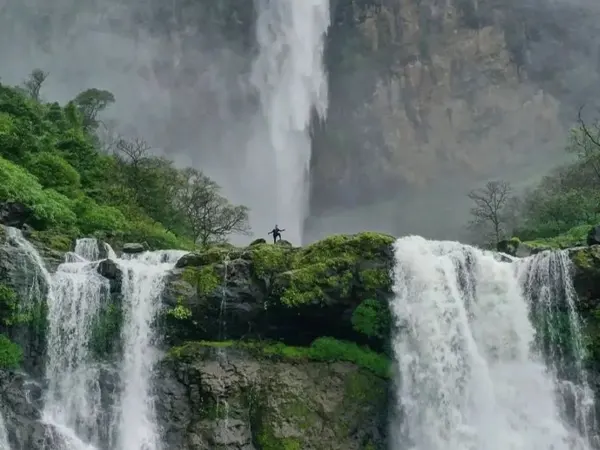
[268, 347]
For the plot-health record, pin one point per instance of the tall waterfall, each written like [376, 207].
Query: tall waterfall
[291, 81]
[469, 375]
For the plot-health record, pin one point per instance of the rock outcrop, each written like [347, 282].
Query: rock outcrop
[235, 398]
[278, 292]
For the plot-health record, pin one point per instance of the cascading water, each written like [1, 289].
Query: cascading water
[291, 81]
[469, 376]
[73, 400]
[4, 444]
[143, 276]
[547, 283]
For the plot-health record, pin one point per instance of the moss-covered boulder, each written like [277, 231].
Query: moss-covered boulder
[280, 291]
[248, 396]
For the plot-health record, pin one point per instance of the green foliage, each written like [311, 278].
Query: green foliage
[51, 161]
[205, 279]
[11, 354]
[49, 207]
[324, 349]
[54, 172]
[565, 203]
[106, 329]
[372, 318]
[574, 237]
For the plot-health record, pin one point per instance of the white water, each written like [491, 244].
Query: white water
[291, 81]
[142, 286]
[4, 444]
[547, 283]
[30, 265]
[469, 378]
[73, 400]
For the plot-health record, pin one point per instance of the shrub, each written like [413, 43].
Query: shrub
[11, 354]
[54, 172]
[49, 207]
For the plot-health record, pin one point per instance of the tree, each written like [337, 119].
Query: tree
[90, 103]
[490, 213]
[209, 217]
[33, 84]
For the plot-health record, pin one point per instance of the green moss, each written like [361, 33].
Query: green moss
[55, 239]
[180, 311]
[268, 441]
[205, 279]
[586, 258]
[315, 283]
[573, 238]
[361, 246]
[375, 281]
[324, 349]
[11, 354]
[269, 260]
[106, 330]
[372, 318]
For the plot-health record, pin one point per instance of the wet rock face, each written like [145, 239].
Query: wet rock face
[20, 403]
[14, 214]
[227, 399]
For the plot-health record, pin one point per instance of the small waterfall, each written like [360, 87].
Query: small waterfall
[143, 278]
[547, 282]
[292, 85]
[74, 399]
[4, 444]
[32, 277]
[469, 377]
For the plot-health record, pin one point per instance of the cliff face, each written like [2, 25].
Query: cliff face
[423, 90]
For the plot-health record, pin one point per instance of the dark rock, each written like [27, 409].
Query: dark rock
[514, 247]
[133, 248]
[593, 236]
[21, 403]
[257, 242]
[284, 243]
[14, 214]
[110, 269]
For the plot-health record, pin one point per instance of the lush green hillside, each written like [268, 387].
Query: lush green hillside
[72, 184]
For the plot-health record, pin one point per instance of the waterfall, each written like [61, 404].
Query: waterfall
[547, 283]
[291, 82]
[77, 406]
[143, 278]
[32, 277]
[4, 444]
[73, 399]
[469, 375]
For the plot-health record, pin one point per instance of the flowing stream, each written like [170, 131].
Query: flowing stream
[470, 374]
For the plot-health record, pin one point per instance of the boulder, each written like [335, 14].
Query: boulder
[593, 236]
[14, 214]
[110, 269]
[132, 248]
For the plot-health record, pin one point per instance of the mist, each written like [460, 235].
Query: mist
[182, 75]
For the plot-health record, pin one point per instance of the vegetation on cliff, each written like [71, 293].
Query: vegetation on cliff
[558, 212]
[72, 183]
